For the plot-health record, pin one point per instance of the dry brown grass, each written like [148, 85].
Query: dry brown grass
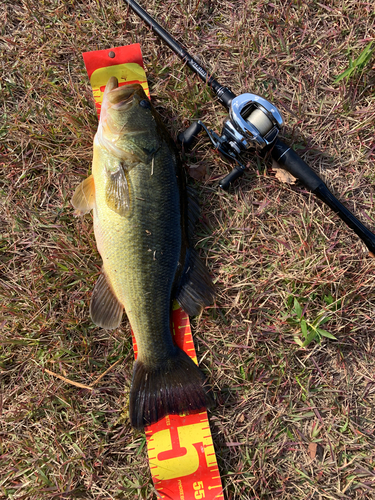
[290, 423]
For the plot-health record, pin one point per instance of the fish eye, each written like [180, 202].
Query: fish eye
[145, 104]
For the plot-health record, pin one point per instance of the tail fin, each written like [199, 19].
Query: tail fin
[174, 387]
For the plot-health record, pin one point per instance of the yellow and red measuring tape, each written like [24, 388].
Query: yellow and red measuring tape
[181, 453]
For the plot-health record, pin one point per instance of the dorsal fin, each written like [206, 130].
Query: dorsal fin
[194, 289]
[193, 211]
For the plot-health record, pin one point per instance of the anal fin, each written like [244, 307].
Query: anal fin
[105, 310]
[195, 289]
[83, 199]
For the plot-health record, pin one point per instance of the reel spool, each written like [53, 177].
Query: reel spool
[256, 119]
[253, 122]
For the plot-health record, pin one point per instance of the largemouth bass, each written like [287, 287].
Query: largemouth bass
[143, 222]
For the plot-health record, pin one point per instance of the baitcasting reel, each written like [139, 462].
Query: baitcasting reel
[253, 122]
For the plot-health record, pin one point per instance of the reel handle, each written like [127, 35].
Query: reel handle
[290, 160]
[231, 177]
[188, 136]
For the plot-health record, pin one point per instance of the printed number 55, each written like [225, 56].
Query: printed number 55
[199, 491]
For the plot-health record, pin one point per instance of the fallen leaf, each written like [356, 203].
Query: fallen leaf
[198, 171]
[312, 450]
[282, 175]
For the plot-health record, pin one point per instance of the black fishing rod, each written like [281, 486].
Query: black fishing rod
[253, 122]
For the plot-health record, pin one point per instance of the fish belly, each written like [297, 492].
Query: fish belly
[140, 250]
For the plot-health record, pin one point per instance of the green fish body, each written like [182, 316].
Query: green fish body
[143, 226]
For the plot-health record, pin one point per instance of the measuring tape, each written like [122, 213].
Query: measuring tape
[180, 449]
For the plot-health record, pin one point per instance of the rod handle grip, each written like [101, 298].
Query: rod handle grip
[290, 160]
[293, 163]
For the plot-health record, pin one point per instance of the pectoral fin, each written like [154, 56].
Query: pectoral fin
[117, 191]
[84, 197]
[105, 310]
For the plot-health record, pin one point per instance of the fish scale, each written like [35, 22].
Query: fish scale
[142, 249]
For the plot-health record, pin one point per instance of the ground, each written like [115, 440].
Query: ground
[294, 419]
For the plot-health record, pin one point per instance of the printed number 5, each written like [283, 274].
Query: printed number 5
[199, 491]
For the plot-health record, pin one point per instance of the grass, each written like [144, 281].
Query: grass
[291, 422]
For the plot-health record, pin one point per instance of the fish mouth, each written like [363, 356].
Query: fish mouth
[119, 97]
[113, 124]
